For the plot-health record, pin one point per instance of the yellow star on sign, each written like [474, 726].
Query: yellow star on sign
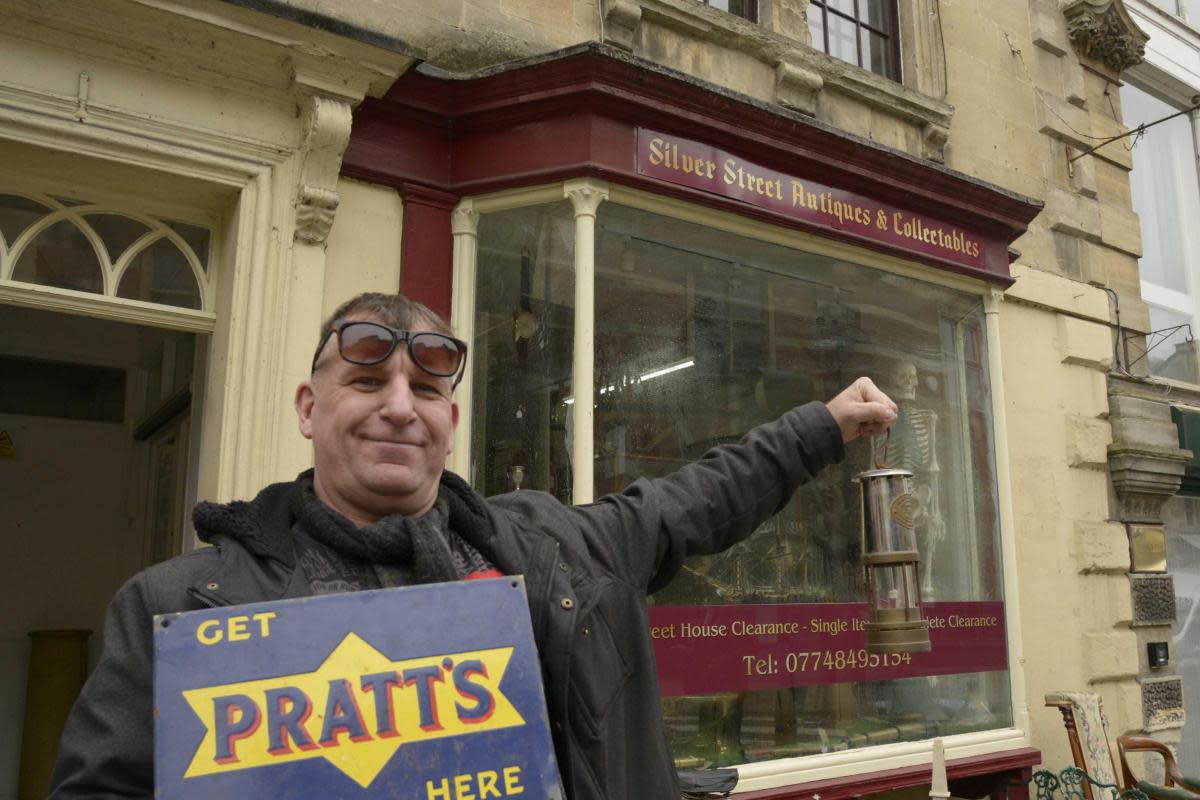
[428, 698]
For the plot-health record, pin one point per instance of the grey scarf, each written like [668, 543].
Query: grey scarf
[338, 556]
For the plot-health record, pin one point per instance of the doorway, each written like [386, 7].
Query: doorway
[98, 458]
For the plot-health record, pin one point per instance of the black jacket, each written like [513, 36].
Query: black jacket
[587, 570]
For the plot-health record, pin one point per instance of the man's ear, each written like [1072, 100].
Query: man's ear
[305, 398]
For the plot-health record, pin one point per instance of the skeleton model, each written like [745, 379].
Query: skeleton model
[913, 446]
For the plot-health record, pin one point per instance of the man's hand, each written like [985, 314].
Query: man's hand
[862, 410]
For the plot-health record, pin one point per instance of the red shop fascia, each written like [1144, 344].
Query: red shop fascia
[596, 111]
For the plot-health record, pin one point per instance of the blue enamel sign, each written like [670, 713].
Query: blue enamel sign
[419, 693]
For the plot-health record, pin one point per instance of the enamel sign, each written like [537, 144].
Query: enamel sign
[418, 693]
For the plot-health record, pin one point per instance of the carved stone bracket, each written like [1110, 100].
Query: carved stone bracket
[1103, 30]
[1153, 600]
[1144, 459]
[327, 133]
[1144, 480]
[1162, 703]
[621, 21]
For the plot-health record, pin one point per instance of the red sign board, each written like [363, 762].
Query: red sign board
[746, 648]
[700, 166]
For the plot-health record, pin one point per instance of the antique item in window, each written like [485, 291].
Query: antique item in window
[912, 446]
[894, 622]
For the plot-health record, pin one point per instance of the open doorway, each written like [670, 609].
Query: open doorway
[98, 456]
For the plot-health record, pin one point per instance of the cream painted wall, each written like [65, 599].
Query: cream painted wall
[363, 251]
[1074, 598]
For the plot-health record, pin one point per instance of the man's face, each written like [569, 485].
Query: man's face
[380, 433]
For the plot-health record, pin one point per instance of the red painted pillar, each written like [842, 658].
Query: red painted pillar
[427, 246]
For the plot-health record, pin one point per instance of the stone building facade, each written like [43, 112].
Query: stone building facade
[495, 156]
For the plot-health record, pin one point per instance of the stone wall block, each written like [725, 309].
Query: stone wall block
[1110, 655]
[1100, 547]
[1144, 422]
[1070, 212]
[1049, 31]
[1087, 442]
[1085, 343]
[797, 87]
[1120, 229]
[1042, 288]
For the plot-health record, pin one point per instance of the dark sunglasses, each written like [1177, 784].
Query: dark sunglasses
[365, 343]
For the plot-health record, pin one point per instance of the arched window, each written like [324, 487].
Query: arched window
[90, 247]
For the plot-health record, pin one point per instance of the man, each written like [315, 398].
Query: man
[379, 510]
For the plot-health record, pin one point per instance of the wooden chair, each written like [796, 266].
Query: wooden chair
[1177, 786]
[1087, 731]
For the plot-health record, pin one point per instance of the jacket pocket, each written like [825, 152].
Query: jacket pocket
[599, 670]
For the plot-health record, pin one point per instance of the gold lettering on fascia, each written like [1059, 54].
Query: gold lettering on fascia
[729, 172]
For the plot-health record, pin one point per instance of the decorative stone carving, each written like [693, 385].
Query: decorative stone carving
[933, 141]
[327, 133]
[585, 196]
[314, 213]
[1162, 703]
[1103, 30]
[621, 21]
[1153, 600]
[797, 87]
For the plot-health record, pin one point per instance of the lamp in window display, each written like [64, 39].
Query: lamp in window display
[892, 563]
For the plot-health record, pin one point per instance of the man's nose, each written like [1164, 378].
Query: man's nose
[397, 398]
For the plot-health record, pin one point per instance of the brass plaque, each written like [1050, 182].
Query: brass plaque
[1147, 548]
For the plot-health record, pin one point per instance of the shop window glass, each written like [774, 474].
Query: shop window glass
[521, 351]
[863, 32]
[1166, 196]
[117, 232]
[161, 274]
[1181, 518]
[61, 256]
[700, 335]
[16, 214]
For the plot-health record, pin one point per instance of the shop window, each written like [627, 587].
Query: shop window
[1166, 196]
[701, 334]
[746, 9]
[72, 244]
[863, 32]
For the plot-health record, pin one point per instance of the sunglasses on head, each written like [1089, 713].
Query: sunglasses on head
[364, 342]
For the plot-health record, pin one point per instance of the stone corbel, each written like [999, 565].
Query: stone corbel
[797, 87]
[1104, 31]
[326, 136]
[621, 20]
[933, 141]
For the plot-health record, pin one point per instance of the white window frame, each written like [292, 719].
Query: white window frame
[586, 195]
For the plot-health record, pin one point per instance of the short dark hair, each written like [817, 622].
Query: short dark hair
[393, 310]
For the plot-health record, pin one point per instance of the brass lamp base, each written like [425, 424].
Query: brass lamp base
[897, 631]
